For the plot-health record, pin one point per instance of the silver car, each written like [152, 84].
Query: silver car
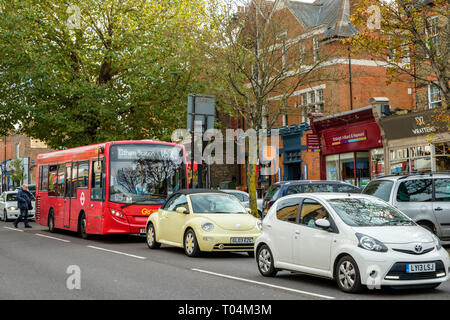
[425, 198]
[244, 199]
[8, 206]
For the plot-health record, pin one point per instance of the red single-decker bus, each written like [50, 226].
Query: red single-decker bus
[107, 188]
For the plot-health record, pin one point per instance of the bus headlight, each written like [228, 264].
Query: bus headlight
[117, 214]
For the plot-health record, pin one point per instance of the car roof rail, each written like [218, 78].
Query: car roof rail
[423, 173]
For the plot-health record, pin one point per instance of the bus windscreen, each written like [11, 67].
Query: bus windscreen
[145, 173]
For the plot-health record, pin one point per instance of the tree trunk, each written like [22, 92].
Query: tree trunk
[251, 185]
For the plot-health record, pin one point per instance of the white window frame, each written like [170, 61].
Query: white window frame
[433, 32]
[434, 104]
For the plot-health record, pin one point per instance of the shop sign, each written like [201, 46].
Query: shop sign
[312, 142]
[410, 125]
[345, 136]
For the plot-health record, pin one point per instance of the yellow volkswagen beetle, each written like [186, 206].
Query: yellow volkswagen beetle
[203, 220]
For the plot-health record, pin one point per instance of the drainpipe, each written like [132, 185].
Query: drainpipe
[377, 103]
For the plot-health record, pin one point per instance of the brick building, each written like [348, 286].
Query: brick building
[24, 148]
[343, 81]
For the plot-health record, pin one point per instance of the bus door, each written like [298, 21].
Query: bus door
[95, 211]
[67, 195]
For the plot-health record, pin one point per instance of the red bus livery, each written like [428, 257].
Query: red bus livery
[107, 188]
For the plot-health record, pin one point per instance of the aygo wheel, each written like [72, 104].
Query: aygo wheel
[264, 259]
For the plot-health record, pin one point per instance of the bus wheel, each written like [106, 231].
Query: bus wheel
[51, 222]
[82, 227]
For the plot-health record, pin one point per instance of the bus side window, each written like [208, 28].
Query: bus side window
[68, 181]
[52, 180]
[44, 180]
[83, 174]
[74, 180]
[97, 182]
[60, 188]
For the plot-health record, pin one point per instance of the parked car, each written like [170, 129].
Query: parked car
[203, 220]
[425, 198]
[355, 239]
[285, 188]
[9, 208]
[244, 199]
[31, 188]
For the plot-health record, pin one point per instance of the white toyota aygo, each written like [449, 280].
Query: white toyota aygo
[357, 240]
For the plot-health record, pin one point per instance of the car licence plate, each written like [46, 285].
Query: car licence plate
[239, 240]
[420, 267]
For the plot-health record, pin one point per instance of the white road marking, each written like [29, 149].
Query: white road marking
[265, 284]
[44, 236]
[118, 252]
[13, 229]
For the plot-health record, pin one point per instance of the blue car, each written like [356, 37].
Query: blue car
[285, 188]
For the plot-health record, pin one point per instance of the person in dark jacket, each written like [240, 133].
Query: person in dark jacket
[24, 203]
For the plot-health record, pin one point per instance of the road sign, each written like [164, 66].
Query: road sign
[203, 109]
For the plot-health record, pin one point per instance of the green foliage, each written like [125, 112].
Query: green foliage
[117, 69]
[17, 172]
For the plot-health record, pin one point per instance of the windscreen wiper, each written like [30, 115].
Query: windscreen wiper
[141, 201]
[130, 204]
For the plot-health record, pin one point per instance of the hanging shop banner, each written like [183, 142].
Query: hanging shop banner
[313, 142]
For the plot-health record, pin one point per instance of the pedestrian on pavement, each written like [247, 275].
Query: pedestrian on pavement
[24, 203]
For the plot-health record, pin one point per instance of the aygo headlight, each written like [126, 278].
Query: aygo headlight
[369, 243]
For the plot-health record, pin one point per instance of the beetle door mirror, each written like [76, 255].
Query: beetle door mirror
[182, 210]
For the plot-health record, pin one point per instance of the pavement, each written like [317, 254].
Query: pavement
[36, 264]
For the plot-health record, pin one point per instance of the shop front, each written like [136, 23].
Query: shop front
[351, 147]
[415, 143]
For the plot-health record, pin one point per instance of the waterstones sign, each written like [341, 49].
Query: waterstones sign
[411, 125]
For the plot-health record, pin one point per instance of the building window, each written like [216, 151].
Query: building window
[312, 102]
[304, 99]
[411, 160]
[377, 162]
[284, 120]
[302, 52]
[316, 49]
[432, 32]
[305, 113]
[283, 54]
[434, 97]
[332, 165]
[311, 97]
[442, 154]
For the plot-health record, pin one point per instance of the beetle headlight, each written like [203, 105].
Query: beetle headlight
[370, 243]
[259, 225]
[208, 226]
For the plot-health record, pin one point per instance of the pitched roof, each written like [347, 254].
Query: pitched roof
[335, 14]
